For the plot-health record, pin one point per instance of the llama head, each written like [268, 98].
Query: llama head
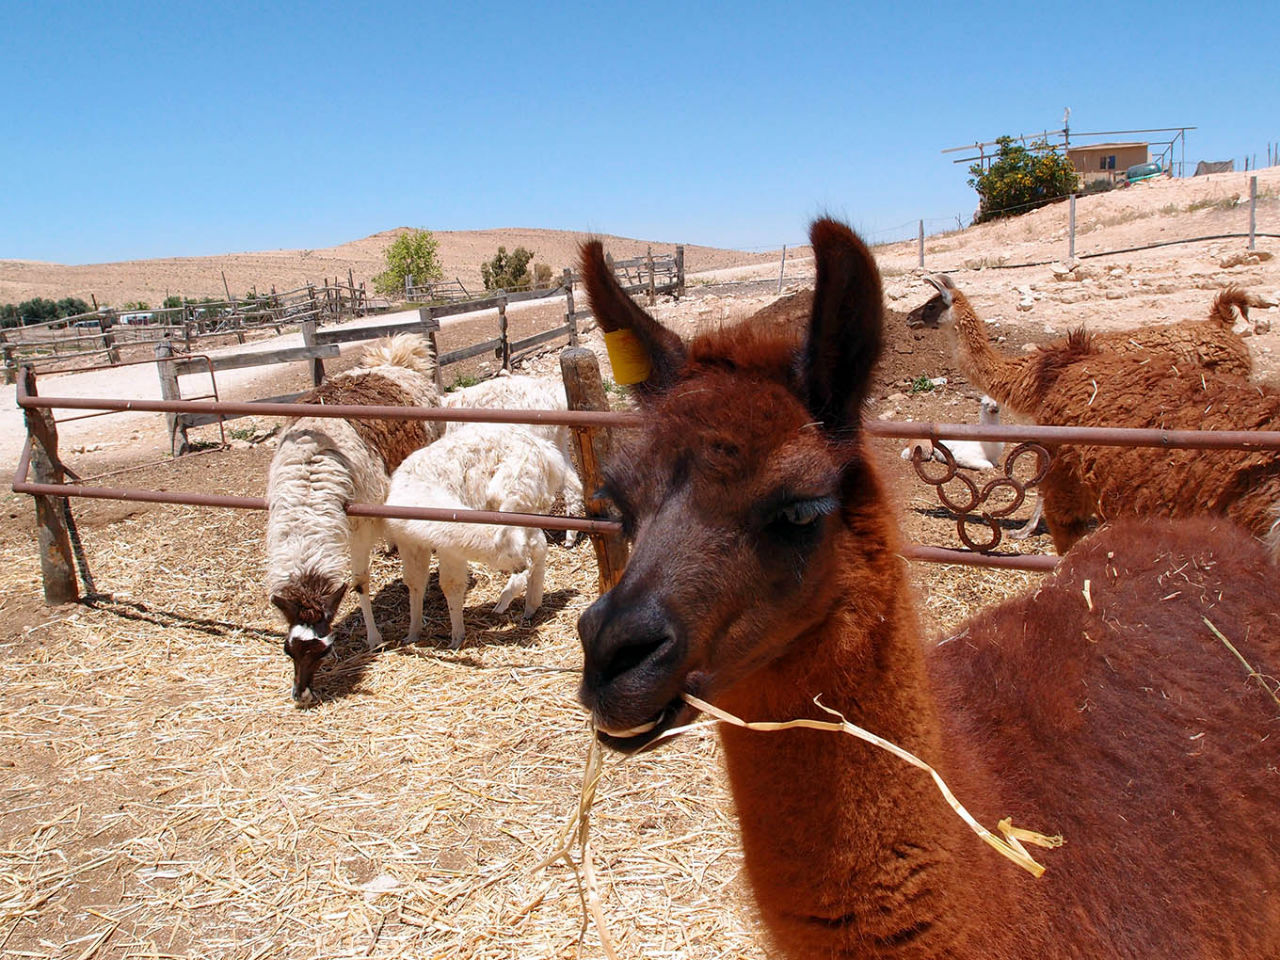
[738, 493]
[309, 603]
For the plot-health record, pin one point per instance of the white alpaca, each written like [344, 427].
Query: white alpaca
[478, 466]
[508, 392]
[320, 466]
[969, 454]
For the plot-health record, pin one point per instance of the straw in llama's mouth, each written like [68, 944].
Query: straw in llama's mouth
[631, 739]
[630, 731]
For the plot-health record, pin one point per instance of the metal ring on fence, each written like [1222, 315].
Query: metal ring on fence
[965, 512]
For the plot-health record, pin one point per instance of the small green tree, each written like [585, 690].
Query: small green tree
[507, 271]
[1021, 178]
[172, 302]
[542, 276]
[410, 254]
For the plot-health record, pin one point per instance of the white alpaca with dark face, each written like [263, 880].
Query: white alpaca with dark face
[323, 464]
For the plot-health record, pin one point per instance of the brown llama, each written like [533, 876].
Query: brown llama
[1072, 382]
[765, 572]
[1210, 344]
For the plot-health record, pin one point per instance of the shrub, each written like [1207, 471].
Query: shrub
[542, 276]
[507, 271]
[412, 254]
[1021, 179]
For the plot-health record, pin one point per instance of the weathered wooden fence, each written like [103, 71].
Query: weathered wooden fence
[321, 344]
[590, 419]
[54, 343]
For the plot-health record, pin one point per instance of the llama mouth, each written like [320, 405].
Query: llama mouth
[637, 737]
[630, 732]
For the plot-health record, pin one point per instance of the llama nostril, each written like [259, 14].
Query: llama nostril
[633, 652]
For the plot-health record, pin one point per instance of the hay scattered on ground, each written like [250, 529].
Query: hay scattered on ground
[160, 796]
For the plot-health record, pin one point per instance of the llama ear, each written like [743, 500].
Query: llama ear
[645, 355]
[847, 327]
[332, 601]
[287, 607]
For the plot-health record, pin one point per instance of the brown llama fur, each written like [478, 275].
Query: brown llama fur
[1209, 344]
[1109, 482]
[765, 572]
[391, 440]
[1073, 382]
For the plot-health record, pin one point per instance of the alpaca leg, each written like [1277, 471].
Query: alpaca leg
[363, 536]
[1030, 527]
[416, 563]
[516, 583]
[537, 570]
[574, 505]
[453, 583]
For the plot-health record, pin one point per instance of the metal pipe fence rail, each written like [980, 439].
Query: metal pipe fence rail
[41, 446]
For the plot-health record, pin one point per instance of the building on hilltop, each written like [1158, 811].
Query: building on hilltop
[1107, 161]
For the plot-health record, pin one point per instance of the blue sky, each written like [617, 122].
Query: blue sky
[171, 129]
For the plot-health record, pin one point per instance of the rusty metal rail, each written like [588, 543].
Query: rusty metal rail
[913, 430]
[1049, 437]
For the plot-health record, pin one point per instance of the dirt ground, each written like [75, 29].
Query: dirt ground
[161, 797]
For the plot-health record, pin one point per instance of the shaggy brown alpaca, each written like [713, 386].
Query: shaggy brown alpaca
[1111, 390]
[765, 572]
[320, 466]
[1210, 344]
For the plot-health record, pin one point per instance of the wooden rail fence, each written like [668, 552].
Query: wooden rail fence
[320, 344]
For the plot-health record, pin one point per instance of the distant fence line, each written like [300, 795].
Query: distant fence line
[187, 324]
[319, 345]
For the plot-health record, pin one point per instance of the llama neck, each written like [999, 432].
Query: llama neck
[1002, 377]
[849, 850]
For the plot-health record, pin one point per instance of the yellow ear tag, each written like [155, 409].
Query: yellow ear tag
[628, 357]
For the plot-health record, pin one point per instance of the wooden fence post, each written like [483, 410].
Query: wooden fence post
[170, 390]
[57, 563]
[1253, 212]
[680, 270]
[592, 445]
[309, 339]
[1071, 228]
[648, 256]
[504, 350]
[570, 318]
[920, 262]
[429, 327]
[10, 363]
[109, 344]
[782, 267]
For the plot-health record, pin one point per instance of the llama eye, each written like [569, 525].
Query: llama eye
[803, 513]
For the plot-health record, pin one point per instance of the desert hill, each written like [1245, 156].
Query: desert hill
[461, 253]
